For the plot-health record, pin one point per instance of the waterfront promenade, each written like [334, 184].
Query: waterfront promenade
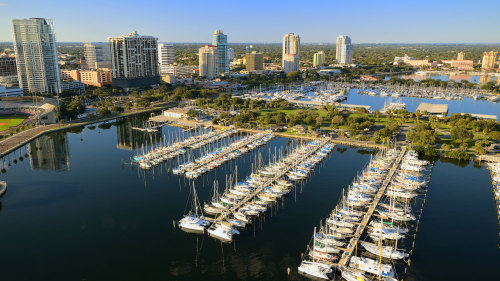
[19, 139]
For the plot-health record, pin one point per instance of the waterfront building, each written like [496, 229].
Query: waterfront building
[319, 58]
[460, 64]
[36, 55]
[166, 56]
[344, 50]
[97, 55]
[290, 55]
[176, 113]
[134, 60]
[219, 40]
[461, 56]
[413, 62]
[489, 60]
[254, 61]
[208, 61]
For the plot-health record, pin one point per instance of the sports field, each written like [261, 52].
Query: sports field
[7, 121]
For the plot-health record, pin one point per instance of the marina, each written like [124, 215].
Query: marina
[376, 97]
[123, 203]
[376, 206]
[221, 155]
[177, 146]
[236, 207]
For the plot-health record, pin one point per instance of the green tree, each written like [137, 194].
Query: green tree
[459, 132]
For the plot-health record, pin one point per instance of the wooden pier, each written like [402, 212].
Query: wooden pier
[366, 218]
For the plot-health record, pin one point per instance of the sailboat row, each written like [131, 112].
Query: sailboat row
[221, 155]
[155, 156]
[339, 227]
[241, 202]
[390, 195]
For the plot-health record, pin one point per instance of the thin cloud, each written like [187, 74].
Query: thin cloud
[3, 4]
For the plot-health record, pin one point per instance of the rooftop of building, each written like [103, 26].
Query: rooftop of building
[177, 110]
[432, 108]
[133, 34]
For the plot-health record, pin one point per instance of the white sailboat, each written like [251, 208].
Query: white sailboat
[194, 221]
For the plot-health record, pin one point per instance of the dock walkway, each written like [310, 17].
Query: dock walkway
[234, 209]
[364, 222]
[228, 150]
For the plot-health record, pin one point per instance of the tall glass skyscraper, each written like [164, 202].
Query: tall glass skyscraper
[36, 55]
[219, 40]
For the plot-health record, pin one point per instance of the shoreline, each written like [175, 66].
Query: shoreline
[9, 144]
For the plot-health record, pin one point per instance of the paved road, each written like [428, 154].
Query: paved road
[20, 138]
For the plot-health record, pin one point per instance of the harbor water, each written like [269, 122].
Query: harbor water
[466, 105]
[76, 209]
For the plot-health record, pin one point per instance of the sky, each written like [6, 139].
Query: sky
[257, 21]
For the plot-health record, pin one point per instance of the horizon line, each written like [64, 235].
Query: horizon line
[323, 43]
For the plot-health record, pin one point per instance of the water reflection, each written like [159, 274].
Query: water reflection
[130, 138]
[458, 77]
[49, 152]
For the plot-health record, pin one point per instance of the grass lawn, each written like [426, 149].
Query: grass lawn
[8, 121]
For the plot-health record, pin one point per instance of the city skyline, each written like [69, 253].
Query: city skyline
[442, 24]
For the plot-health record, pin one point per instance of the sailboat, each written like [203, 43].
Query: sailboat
[314, 268]
[386, 251]
[194, 221]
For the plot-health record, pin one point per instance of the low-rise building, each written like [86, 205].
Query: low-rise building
[368, 78]
[178, 113]
[439, 110]
[10, 91]
[97, 78]
[72, 85]
[413, 62]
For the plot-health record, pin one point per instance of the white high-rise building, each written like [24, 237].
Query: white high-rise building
[230, 54]
[134, 59]
[36, 55]
[344, 50]
[291, 48]
[97, 55]
[208, 61]
[166, 56]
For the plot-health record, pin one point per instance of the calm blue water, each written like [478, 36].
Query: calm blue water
[447, 77]
[465, 105]
[76, 210]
